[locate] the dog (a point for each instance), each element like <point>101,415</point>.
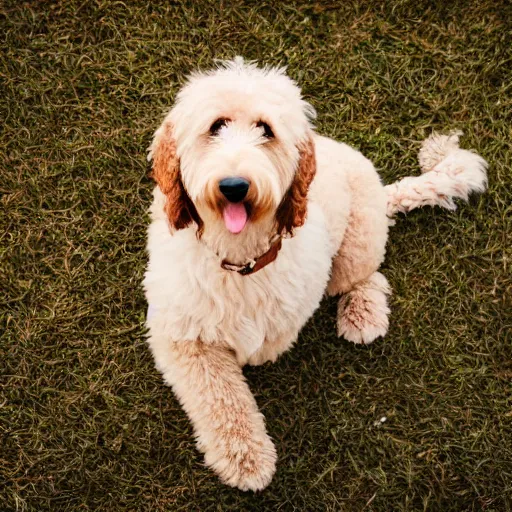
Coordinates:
<point>254,218</point>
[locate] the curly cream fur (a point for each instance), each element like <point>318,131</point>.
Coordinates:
<point>449,172</point>
<point>207,322</point>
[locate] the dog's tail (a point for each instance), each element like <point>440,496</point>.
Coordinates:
<point>449,172</point>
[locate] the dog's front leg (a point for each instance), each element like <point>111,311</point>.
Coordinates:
<point>229,428</point>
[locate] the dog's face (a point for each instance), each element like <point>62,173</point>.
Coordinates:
<point>235,157</point>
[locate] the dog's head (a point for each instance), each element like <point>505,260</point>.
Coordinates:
<point>235,157</point>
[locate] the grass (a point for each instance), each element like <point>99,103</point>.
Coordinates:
<point>86,422</point>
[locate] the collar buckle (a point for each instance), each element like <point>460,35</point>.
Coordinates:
<point>258,263</point>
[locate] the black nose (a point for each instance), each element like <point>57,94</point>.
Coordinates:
<point>234,189</point>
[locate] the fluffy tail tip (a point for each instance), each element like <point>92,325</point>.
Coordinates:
<point>436,148</point>
<point>448,173</point>
<point>443,154</point>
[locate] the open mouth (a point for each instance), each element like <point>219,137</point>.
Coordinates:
<point>235,216</point>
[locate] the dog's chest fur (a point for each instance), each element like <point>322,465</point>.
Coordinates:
<point>192,297</point>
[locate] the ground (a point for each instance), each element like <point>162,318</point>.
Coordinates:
<point>420,420</point>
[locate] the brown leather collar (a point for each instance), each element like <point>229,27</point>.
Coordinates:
<point>258,263</point>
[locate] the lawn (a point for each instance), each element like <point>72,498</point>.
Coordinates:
<point>86,421</point>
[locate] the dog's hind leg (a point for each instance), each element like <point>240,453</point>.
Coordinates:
<point>448,172</point>
<point>228,426</point>
<point>362,308</point>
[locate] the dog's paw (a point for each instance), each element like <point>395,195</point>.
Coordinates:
<point>363,313</point>
<point>249,466</point>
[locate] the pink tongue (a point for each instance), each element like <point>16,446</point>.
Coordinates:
<point>235,217</point>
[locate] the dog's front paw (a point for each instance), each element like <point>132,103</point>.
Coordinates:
<point>248,465</point>
<point>363,313</point>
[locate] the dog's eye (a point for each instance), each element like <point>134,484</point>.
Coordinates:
<point>217,125</point>
<point>267,131</point>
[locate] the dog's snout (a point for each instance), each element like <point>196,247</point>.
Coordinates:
<point>234,189</point>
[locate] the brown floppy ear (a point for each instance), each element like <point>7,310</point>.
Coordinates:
<point>292,211</point>
<point>179,208</point>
